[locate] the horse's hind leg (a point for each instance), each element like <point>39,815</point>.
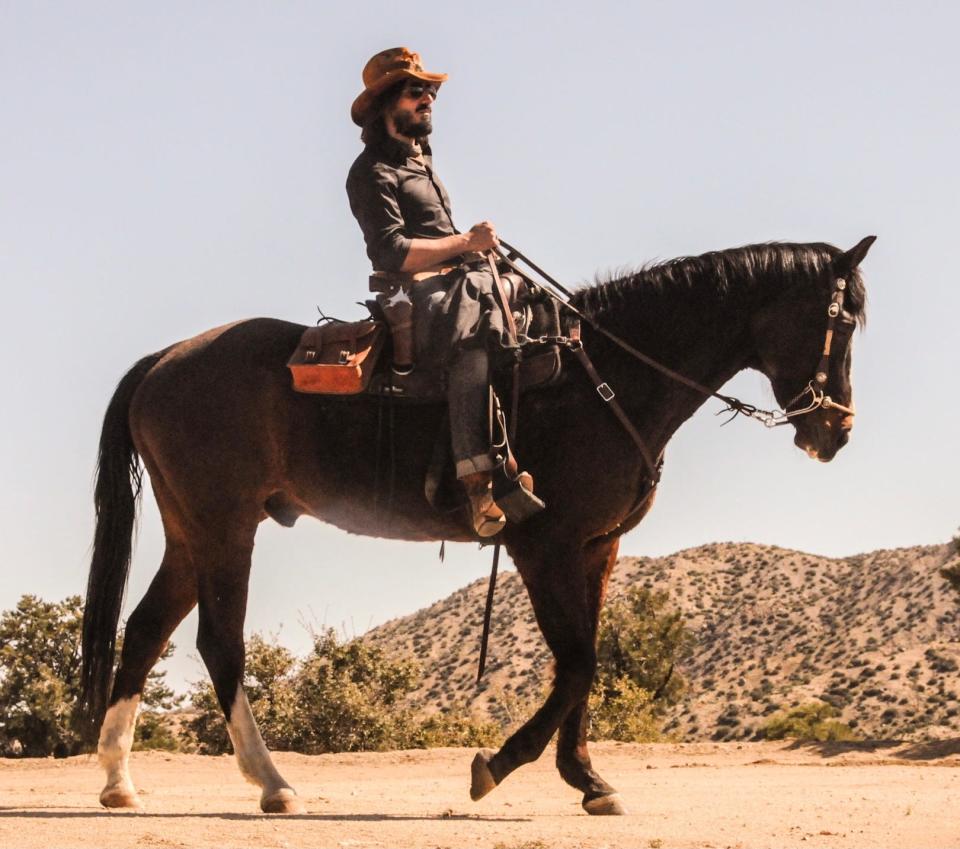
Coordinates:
<point>224,569</point>
<point>565,593</point>
<point>171,596</point>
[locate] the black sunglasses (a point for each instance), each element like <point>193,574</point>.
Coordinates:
<point>418,90</point>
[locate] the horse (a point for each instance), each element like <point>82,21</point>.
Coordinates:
<point>227,444</point>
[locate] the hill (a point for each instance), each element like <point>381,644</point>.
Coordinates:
<point>877,635</point>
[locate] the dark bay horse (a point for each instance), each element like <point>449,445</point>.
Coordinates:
<point>228,444</point>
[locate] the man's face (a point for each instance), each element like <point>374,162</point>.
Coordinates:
<point>412,112</point>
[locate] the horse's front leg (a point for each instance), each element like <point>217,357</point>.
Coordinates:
<point>573,758</point>
<point>565,592</point>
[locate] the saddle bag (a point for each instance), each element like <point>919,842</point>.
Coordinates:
<point>337,358</point>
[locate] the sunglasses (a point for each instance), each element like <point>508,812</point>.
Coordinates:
<point>416,91</point>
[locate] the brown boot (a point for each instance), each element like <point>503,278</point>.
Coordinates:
<point>486,518</point>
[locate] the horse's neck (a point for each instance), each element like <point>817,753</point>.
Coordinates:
<point>697,332</point>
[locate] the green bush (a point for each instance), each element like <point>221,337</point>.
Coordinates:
<point>342,697</point>
<point>641,639</point>
<point>40,682</point>
<point>455,727</point>
<point>640,644</point>
<point>624,712</point>
<point>811,721</point>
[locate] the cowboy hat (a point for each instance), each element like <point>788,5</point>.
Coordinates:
<point>382,71</point>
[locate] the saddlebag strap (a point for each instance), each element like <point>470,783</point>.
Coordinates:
<point>610,398</point>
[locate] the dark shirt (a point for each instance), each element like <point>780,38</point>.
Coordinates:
<point>396,197</point>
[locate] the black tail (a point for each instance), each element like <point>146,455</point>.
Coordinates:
<point>115,498</point>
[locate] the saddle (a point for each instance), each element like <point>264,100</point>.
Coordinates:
<point>355,358</point>
<point>348,358</point>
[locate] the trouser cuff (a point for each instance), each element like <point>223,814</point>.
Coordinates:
<point>477,463</point>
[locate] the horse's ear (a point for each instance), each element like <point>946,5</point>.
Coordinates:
<point>849,260</point>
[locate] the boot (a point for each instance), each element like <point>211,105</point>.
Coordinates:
<point>486,518</point>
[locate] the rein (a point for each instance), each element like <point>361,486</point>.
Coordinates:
<point>770,418</point>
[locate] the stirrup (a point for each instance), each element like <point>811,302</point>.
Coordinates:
<point>516,500</point>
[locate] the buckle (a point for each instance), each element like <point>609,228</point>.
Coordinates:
<point>606,392</point>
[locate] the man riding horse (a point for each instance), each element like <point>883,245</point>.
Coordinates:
<point>435,287</point>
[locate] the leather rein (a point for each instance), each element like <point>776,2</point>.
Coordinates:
<point>816,387</point>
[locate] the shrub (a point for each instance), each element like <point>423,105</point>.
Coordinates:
<point>624,711</point>
<point>40,681</point>
<point>639,646</point>
<point>342,697</point>
<point>640,639</point>
<point>811,721</point>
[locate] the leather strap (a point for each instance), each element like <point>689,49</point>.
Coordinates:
<point>609,397</point>
<point>502,296</point>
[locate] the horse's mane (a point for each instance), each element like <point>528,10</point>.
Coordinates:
<point>788,262</point>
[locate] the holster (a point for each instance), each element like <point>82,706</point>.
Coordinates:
<point>393,297</point>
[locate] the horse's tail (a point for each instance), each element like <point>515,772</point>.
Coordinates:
<point>116,496</point>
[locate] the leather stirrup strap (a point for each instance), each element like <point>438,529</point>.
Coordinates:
<point>488,609</point>
<point>610,398</point>
<point>502,297</point>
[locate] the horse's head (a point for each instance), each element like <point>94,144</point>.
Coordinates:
<point>806,351</point>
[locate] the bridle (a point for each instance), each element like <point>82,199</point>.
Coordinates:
<point>815,388</point>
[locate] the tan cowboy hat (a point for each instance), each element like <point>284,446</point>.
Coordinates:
<point>382,71</point>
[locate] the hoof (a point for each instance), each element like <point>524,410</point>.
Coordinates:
<point>120,797</point>
<point>282,801</point>
<point>610,805</point>
<point>481,779</point>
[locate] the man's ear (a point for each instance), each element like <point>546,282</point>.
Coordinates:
<point>849,260</point>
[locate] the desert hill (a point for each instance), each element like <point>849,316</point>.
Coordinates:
<point>877,635</point>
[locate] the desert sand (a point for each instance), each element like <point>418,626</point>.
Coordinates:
<point>678,795</point>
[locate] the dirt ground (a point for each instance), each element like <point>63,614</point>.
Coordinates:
<point>677,795</point>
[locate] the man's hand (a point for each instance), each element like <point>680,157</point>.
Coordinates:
<point>482,237</point>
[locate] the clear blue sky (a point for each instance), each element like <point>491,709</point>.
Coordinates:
<point>169,167</point>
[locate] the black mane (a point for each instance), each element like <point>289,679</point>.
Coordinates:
<point>717,270</point>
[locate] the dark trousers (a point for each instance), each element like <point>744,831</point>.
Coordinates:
<point>456,322</point>
<point>468,397</point>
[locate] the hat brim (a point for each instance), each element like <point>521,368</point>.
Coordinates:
<point>361,106</point>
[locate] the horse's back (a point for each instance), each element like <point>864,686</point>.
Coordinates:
<point>217,397</point>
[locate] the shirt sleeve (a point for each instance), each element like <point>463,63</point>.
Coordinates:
<point>373,200</point>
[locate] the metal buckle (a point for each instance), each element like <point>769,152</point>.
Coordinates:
<point>606,392</point>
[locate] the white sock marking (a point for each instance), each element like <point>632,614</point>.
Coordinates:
<point>116,740</point>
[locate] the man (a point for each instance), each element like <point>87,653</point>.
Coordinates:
<point>426,266</point>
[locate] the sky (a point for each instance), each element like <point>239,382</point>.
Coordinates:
<point>166,168</point>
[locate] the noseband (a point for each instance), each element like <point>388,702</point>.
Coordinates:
<point>816,388</point>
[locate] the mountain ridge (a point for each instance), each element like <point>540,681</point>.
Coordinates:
<point>876,634</point>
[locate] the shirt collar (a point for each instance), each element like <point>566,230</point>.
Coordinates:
<point>396,151</point>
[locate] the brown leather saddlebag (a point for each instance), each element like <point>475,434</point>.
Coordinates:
<point>337,358</point>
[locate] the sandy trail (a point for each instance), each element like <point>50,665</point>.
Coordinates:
<point>678,795</point>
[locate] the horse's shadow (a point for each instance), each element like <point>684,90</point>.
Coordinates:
<point>27,813</point>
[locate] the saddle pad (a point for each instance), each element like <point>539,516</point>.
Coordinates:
<point>337,358</point>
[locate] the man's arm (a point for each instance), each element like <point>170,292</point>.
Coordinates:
<point>428,253</point>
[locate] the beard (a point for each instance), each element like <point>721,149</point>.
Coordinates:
<point>414,125</point>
